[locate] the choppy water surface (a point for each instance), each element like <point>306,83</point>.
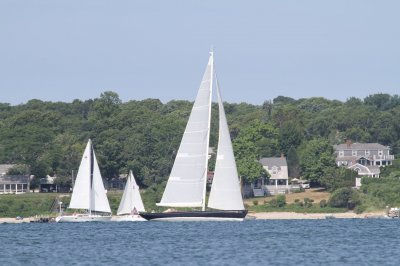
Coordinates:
<point>273,242</point>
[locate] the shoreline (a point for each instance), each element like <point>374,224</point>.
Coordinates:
<point>264,216</point>
<point>308,216</point>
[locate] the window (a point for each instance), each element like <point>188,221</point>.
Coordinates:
<point>354,153</point>
<point>281,182</point>
<point>380,153</point>
<point>367,153</point>
<point>341,153</point>
<point>274,170</point>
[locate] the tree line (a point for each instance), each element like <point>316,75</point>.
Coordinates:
<point>49,137</point>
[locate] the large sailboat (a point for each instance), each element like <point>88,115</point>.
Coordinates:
<point>88,193</point>
<point>186,186</point>
<point>131,203</point>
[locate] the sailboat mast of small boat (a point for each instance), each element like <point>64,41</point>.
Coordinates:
<point>91,178</point>
<point>209,128</point>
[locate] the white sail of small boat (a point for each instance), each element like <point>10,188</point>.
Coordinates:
<point>131,203</point>
<point>88,193</point>
<point>186,186</point>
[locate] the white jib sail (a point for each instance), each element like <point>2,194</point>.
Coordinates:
<point>81,192</point>
<point>225,190</point>
<point>185,187</point>
<point>131,198</point>
<point>99,200</point>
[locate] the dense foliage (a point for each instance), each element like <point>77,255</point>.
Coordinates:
<point>144,136</point>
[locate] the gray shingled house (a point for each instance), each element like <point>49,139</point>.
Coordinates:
<point>365,158</point>
<point>12,184</point>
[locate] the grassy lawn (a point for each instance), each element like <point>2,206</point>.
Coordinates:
<point>31,204</point>
<point>295,208</point>
<point>315,194</point>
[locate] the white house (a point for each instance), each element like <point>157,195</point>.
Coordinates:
<point>279,178</point>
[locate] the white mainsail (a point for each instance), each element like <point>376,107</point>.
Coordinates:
<point>187,181</point>
<point>89,192</point>
<point>131,198</point>
<point>80,198</point>
<point>225,190</point>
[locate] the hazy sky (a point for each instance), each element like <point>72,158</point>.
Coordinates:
<point>65,50</point>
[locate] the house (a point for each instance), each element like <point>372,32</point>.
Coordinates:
<point>12,184</point>
<point>279,179</point>
<point>365,158</point>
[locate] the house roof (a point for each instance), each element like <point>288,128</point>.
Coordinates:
<point>360,146</point>
<point>4,168</point>
<point>371,168</point>
<point>14,179</point>
<point>273,161</point>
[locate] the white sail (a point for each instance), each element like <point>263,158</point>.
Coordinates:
<point>225,190</point>
<point>186,183</point>
<point>99,201</point>
<point>89,192</point>
<point>81,191</point>
<point>131,198</point>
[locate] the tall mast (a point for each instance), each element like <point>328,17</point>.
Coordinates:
<point>208,134</point>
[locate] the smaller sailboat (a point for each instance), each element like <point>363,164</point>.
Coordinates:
<point>131,203</point>
<point>88,193</point>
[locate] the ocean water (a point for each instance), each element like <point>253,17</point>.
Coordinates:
<point>267,242</point>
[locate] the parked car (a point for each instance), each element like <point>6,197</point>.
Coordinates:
<point>305,184</point>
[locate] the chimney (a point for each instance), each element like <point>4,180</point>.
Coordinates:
<point>282,155</point>
<point>348,143</point>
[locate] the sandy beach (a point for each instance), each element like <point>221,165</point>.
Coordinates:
<point>15,221</point>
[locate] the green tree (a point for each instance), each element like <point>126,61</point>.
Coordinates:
<point>316,157</point>
<point>338,177</point>
<point>293,163</point>
<point>251,170</point>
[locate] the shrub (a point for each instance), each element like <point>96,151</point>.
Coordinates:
<point>323,204</point>
<point>273,203</point>
<point>255,202</point>
<point>359,209</point>
<point>308,202</point>
<point>344,198</point>
<point>281,200</point>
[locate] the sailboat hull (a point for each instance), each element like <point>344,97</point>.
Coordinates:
<point>82,218</point>
<point>128,218</point>
<point>196,216</point>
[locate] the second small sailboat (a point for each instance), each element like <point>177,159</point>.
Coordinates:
<point>131,203</point>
